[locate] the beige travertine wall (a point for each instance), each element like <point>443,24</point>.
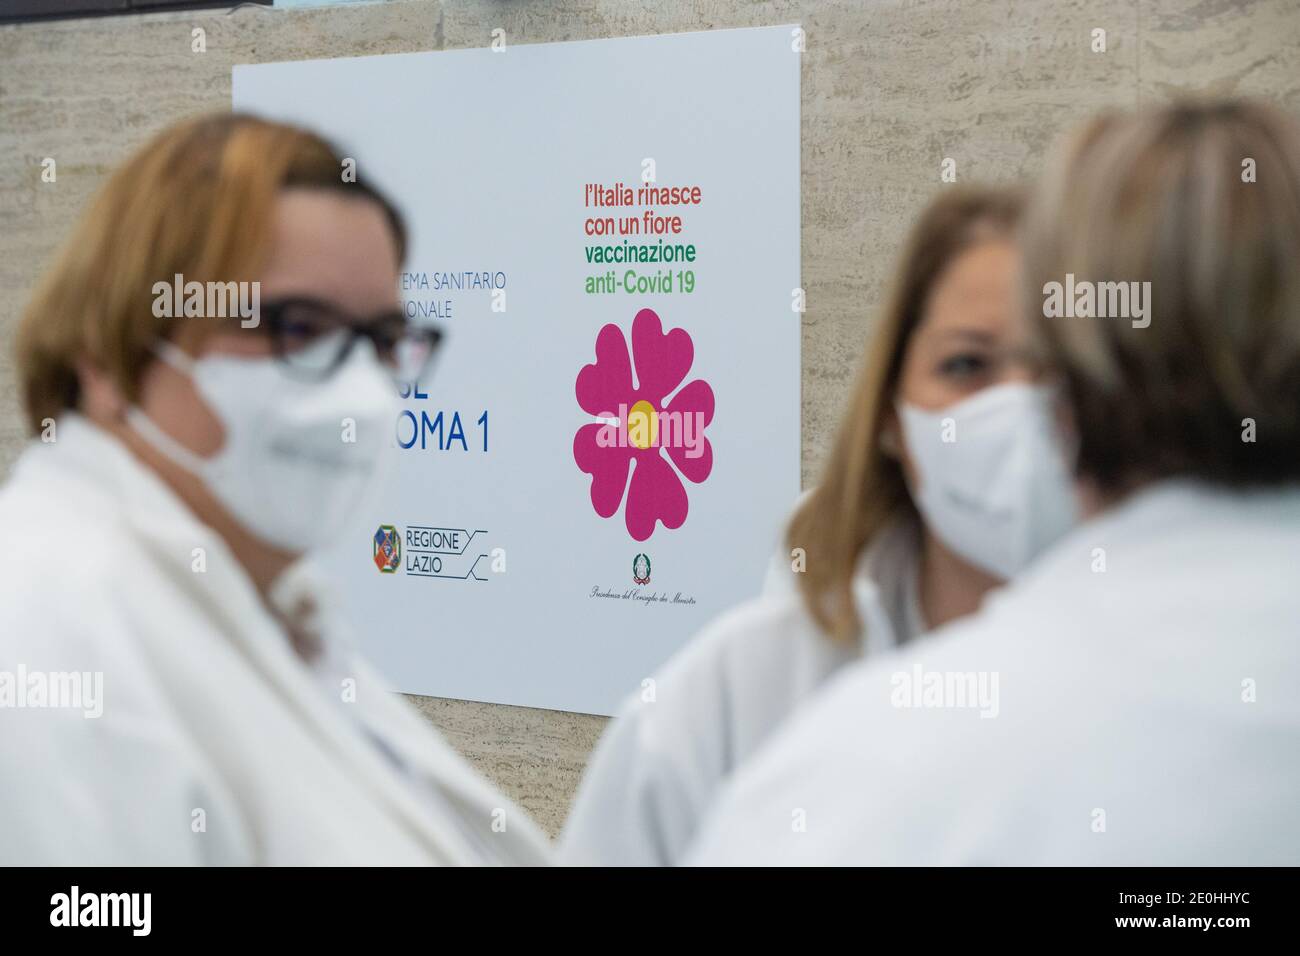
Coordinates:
<point>890,88</point>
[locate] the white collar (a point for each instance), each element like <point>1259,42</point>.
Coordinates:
<point>1160,512</point>
<point>887,577</point>
<point>87,469</point>
<point>101,470</point>
<point>108,480</point>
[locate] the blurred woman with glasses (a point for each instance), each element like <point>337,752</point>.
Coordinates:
<point>181,467</point>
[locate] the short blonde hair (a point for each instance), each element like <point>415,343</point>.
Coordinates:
<point>1202,200</point>
<point>197,200</point>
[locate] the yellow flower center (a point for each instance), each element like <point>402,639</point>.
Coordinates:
<point>642,425</point>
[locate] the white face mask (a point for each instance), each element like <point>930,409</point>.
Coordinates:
<point>994,485</point>
<point>286,472</point>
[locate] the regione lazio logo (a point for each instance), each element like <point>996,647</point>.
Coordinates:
<point>653,428</point>
<point>641,569</point>
<point>388,549</point>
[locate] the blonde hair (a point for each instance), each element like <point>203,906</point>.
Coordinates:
<point>1165,196</point>
<point>862,488</point>
<point>197,200</point>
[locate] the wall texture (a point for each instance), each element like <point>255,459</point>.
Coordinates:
<point>890,88</point>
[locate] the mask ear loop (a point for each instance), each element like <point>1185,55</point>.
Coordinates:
<point>148,429</point>
<point>175,356</point>
<point>164,444</point>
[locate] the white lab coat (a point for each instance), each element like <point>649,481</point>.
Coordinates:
<point>1146,713</point>
<point>662,761</point>
<point>217,744</point>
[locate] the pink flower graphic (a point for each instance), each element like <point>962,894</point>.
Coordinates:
<point>638,426</point>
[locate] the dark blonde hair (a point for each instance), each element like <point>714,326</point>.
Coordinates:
<point>862,488</point>
<point>1165,196</point>
<point>198,201</point>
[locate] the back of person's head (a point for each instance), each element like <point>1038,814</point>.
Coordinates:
<point>1162,250</point>
<point>198,201</point>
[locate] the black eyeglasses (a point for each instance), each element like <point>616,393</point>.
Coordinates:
<point>313,338</point>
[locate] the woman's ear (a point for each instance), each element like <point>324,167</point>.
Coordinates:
<point>890,446</point>
<point>101,399</point>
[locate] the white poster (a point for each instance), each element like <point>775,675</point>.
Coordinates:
<point>601,460</point>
